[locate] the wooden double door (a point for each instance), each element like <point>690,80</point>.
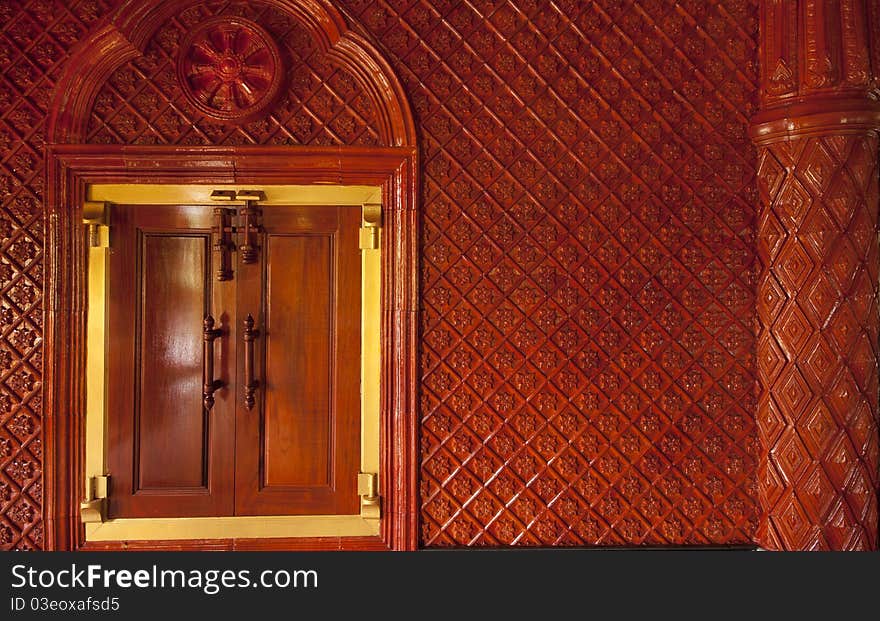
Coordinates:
<point>257,412</point>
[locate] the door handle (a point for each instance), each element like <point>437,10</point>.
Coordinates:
<point>209,384</point>
<point>249,334</point>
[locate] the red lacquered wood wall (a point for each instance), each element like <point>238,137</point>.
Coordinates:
<point>586,251</point>
<point>588,275</point>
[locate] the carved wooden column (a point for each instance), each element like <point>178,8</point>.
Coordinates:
<point>818,318</point>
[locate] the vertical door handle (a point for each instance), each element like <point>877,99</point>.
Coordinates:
<point>249,334</point>
<point>209,384</point>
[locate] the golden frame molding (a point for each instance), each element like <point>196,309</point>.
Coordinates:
<point>98,206</point>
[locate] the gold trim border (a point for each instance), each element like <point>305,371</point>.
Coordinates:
<point>259,527</point>
<point>192,194</point>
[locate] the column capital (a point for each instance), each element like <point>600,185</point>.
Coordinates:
<point>818,48</point>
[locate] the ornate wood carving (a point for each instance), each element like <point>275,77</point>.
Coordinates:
<point>587,252</point>
<point>818,320</point>
<point>810,47</point>
<point>540,125</point>
<point>125,38</point>
<point>230,68</point>
<point>817,346</point>
<point>311,24</point>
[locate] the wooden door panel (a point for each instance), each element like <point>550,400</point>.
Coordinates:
<point>168,456</point>
<point>170,439</point>
<point>298,450</point>
<point>298,333</point>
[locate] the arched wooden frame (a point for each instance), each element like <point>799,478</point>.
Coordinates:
<point>125,35</point>
<point>71,167</point>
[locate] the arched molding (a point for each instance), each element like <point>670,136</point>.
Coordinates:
<point>127,32</point>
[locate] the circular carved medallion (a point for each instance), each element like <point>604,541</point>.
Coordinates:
<point>229,68</point>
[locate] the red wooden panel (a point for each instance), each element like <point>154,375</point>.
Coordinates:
<point>300,305</point>
<point>817,318</point>
<point>171,424</point>
<point>817,353</point>
<point>167,456</point>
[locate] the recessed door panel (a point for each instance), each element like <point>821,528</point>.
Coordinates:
<point>299,338</point>
<point>168,455</point>
<point>282,436</point>
<point>170,431</point>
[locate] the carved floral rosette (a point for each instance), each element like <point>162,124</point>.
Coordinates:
<point>230,69</point>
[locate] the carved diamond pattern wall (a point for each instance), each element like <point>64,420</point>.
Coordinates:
<point>35,38</point>
<point>587,351</point>
<point>587,264</point>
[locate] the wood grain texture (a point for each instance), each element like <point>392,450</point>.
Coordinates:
<point>296,446</point>
<point>299,309</point>
<point>171,427</point>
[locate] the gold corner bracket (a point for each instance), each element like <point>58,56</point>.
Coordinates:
<point>368,490</point>
<point>94,508</point>
<point>371,223</point>
<point>371,304</point>
<point>96,216</point>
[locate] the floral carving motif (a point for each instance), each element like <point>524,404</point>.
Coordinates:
<point>230,68</point>
<point>318,104</point>
<point>560,209</point>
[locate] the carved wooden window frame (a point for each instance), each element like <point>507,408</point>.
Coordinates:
<point>72,168</point>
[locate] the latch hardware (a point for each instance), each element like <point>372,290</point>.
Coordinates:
<point>368,490</point>
<point>223,229</point>
<point>250,213</point>
<point>223,244</point>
